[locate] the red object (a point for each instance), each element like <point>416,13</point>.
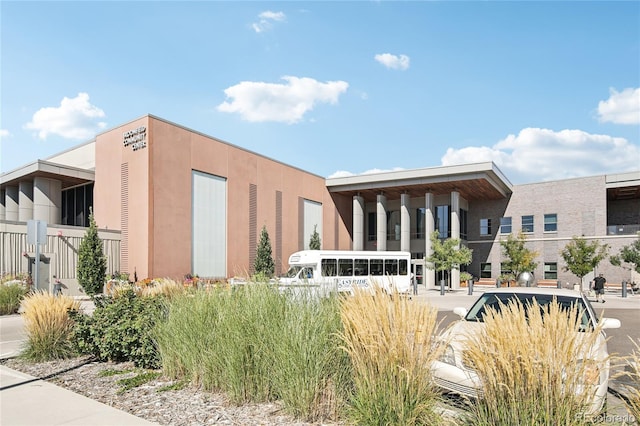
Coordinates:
<point>59,233</point>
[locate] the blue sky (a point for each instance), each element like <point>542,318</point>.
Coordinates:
<point>546,90</point>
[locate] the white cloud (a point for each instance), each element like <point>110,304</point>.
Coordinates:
<point>259,102</point>
<point>393,61</point>
<point>4,134</point>
<point>542,154</point>
<point>267,18</point>
<point>621,107</point>
<point>75,118</point>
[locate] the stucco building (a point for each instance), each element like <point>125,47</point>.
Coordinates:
<point>170,201</point>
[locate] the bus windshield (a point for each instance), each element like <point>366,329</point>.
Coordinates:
<point>293,271</point>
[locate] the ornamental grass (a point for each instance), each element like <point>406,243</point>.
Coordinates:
<point>48,326</point>
<point>528,360</point>
<point>630,380</point>
<point>11,295</point>
<point>391,345</point>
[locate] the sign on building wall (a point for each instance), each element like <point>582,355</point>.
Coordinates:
<point>136,138</point>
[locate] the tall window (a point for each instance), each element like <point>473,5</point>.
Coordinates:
<point>550,271</point>
<point>463,224</point>
<point>393,225</point>
<point>550,222</point>
<point>485,270</point>
<point>485,227</point>
<point>527,223</point>
<point>442,221</point>
<point>371,226</point>
<point>505,225</point>
<point>420,223</point>
<point>76,203</point>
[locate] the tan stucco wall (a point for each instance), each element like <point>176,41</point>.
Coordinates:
<point>111,154</point>
<point>159,234</point>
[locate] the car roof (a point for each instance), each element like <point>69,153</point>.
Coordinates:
<point>537,290</point>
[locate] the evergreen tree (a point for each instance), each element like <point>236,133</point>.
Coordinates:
<point>314,242</point>
<point>582,257</point>
<point>448,254</point>
<point>264,264</point>
<point>92,263</point>
<point>519,257</point>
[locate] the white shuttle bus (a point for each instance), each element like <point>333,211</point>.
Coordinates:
<point>340,270</point>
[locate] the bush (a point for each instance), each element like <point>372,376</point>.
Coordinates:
<point>120,329</point>
<point>11,295</point>
<point>49,326</point>
<point>631,380</point>
<point>391,344</point>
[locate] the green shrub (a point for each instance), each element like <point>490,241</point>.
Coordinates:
<point>120,329</point>
<point>49,326</point>
<point>11,296</point>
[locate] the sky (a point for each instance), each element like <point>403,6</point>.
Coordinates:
<point>546,90</point>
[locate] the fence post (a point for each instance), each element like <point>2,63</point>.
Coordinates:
<point>470,287</point>
<point>497,282</point>
<point>559,284</point>
<point>624,289</point>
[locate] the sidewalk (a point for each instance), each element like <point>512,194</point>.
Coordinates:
<point>25,400</point>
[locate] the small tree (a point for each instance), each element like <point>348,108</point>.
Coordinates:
<point>314,242</point>
<point>582,257</point>
<point>628,254</point>
<point>92,263</point>
<point>264,264</point>
<point>448,254</point>
<point>519,257</point>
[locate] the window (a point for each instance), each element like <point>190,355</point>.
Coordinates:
<point>372,226</point>
<point>550,271</point>
<point>420,228</point>
<point>505,269</point>
<point>329,267</point>
<point>527,223</point>
<point>376,267</point>
<point>76,203</point>
<point>463,224</point>
<point>505,225</point>
<point>485,270</point>
<point>551,222</point>
<point>485,227</point>
<point>391,266</point>
<point>442,222</point>
<point>345,267</point>
<point>393,225</point>
<point>361,267</point>
<point>403,267</point>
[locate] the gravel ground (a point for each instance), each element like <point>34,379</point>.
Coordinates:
<point>176,407</point>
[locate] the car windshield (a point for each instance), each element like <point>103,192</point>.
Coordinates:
<point>497,300</point>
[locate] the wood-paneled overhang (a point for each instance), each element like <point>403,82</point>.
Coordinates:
<point>479,181</point>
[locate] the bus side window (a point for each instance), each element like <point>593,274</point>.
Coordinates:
<point>329,267</point>
<point>391,266</point>
<point>404,267</point>
<point>345,267</point>
<point>376,267</point>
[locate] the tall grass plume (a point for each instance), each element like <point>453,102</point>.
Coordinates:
<point>390,342</point>
<point>529,360</point>
<point>48,326</point>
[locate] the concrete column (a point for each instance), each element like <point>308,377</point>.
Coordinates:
<point>47,200</point>
<point>381,222</point>
<point>405,223</point>
<point>25,200</point>
<point>455,233</point>
<point>429,226</point>
<point>358,222</point>
<point>2,208</point>
<point>11,203</point>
